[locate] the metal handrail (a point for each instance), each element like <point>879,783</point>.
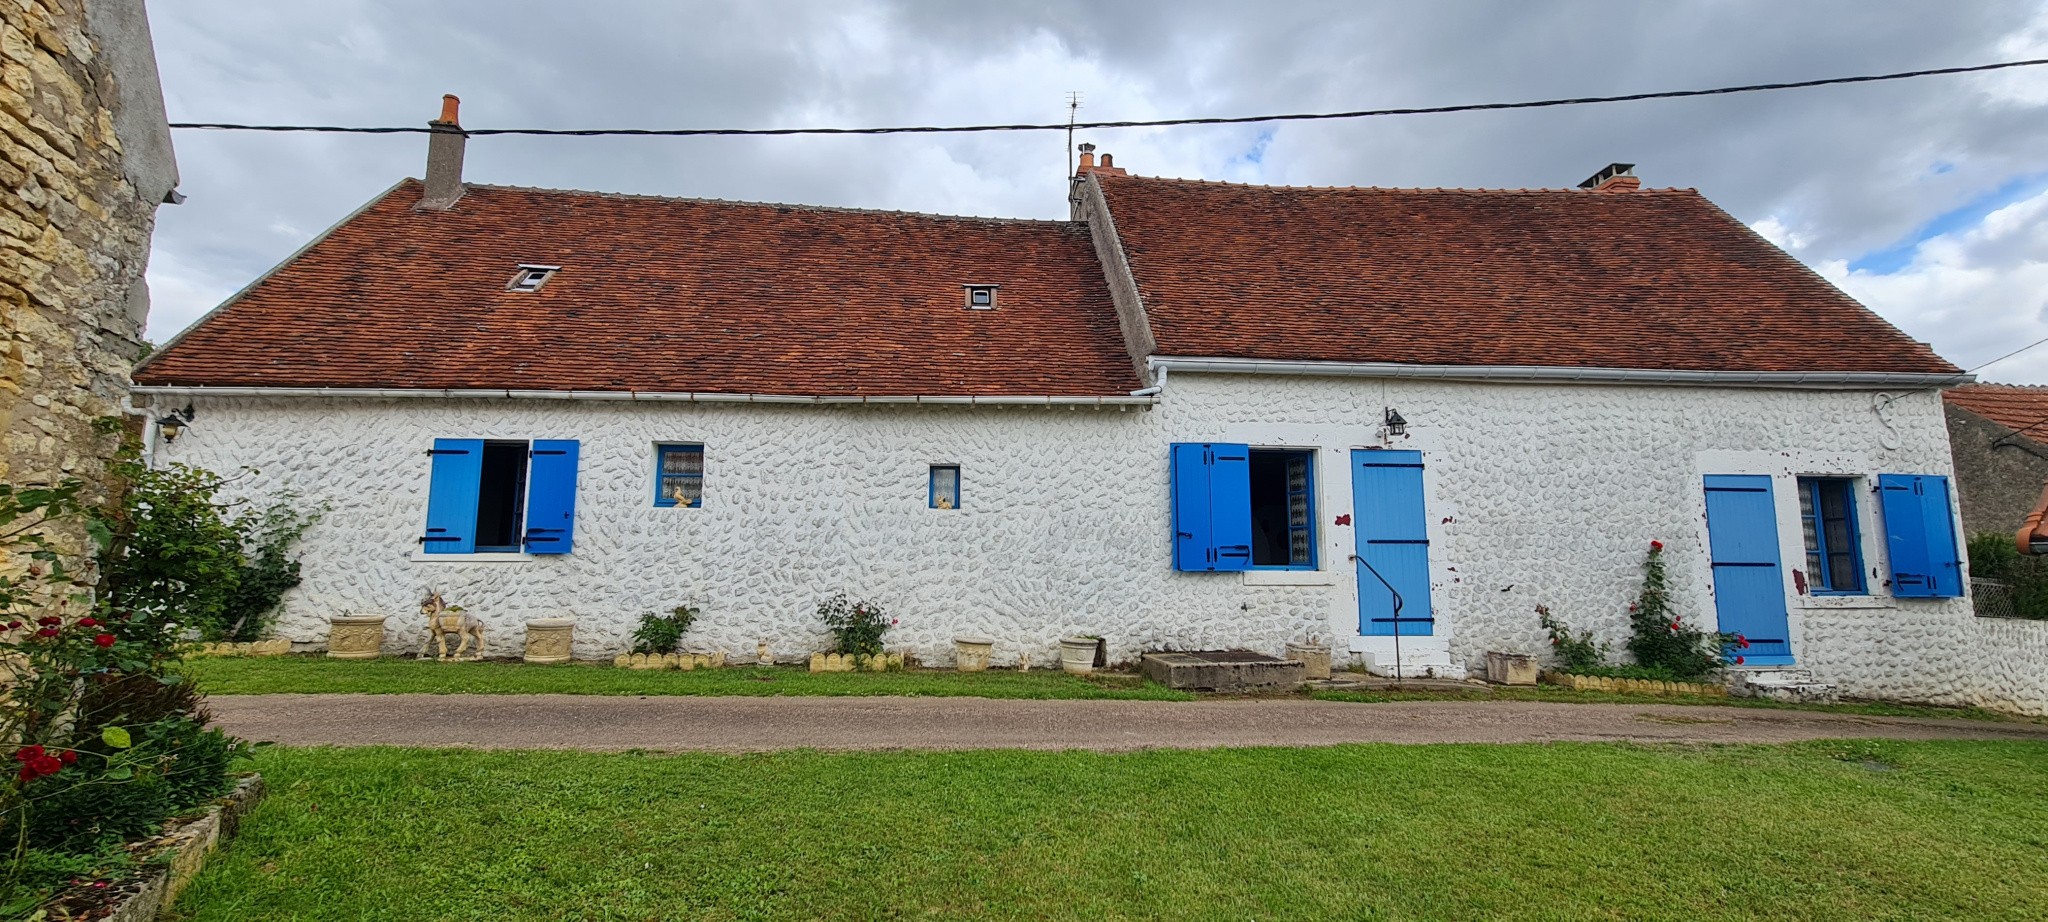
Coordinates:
<point>1399,678</point>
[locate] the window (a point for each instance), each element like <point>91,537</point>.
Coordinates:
<point>501,496</point>
<point>1235,508</point>
<point>531,277</point>
<point>981,297</point>
<point>1283,520</point>
<point>679,475</point>
<point>945,487</point>
<point>1834,549</point>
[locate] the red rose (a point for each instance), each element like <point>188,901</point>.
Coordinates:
<point>1742,642</point>
<point>26,775</point>
<point>47,765</point>
<point>88,622</point>
<point>49,621</point>
<point>27,753</point>
<point>68,757</point>
<point>13,625</point>
<point>1656,545</point>
<point>47,632</point>
<point>104,640</point>
<point>1738,661</point>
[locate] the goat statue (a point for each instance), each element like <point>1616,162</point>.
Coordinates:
<point>444,619</point>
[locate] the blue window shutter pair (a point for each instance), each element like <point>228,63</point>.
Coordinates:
<point>1920,533</point>
<point>457,480</point>
<point>1212,506</point>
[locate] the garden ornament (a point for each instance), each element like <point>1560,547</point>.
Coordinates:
<point>444,619</point>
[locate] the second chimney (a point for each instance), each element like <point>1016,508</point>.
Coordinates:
<point>1616,177</point>
<point>444,158</point>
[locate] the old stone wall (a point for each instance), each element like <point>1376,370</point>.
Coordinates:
<point>84,160</point>
<point>1999,476</point>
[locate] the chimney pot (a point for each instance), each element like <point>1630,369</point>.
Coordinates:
<point>1615,177</point>
<point>444,158</point>
<point>1108,163</point>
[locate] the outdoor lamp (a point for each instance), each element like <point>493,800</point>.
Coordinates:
<point>1395,424</point>
<point>174,422</point>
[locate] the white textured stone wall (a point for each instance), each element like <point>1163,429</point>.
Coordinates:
<point>1545,495</point>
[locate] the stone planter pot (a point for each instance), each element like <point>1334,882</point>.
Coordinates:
<point>1315,657</point>
<point>971,654</point>
<point>1077,654</point>
<point>355,636</point>
<point>548,640</point>
<point>1510,668</point>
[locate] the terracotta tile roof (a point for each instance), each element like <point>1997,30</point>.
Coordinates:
<point>668,295</point>
<point>2014,406</point>
<point>1657,279</point>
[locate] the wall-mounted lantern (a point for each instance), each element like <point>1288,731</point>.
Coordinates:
<point>1395,424</point>
<point>174,422</point>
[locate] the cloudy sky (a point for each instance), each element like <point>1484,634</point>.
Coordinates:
<point>1926,199</point>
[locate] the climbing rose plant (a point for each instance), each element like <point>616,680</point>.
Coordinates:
<point>1660,638</point>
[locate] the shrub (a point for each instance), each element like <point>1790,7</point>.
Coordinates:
<point>857,626</point>
<point>175,548</point>
<point>1996,556</point>
<point>1660,639</point>
<point>663,634</point>
<point>103,740</point>
<point>1578,652</point>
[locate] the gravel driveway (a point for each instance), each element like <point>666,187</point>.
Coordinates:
<point>714,724</point>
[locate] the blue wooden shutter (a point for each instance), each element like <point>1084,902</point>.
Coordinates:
<point>458,468</point>
<point>1392,540</point>
<point>551,497</point>
<point>1230,505</point>
<point>1919,532</point>
<point>1742,550</point>
<point>1943,561</point>
<point>1212,507</point>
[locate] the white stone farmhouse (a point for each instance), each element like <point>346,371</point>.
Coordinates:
<point>1197,415</point>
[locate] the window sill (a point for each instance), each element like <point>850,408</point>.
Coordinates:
<point>489,557</point>
<point>1823,602</point>
<point>1290,578</point>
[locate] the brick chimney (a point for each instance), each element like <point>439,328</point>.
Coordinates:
<point>444,158</point>
<point>1088,165</point>
<point>1615,177</point>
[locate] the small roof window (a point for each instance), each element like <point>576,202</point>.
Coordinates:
<point>981,297</point>
<point>531,277</point>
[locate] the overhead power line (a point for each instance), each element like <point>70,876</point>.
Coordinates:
<point>1151,123</point>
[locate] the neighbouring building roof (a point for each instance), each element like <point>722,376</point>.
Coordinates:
<point>2014,406</point>
<point>1646,279</point>
<point>667,295</point>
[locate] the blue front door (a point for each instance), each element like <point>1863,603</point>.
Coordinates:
<point>1392,549</point>
<point>1749,590</point>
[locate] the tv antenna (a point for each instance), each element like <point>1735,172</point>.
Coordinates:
<point>1073,111</point>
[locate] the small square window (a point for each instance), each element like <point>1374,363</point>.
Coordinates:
<point>530,278</point>
<point>981,297</point>
<point>679,475</point>
<point>1834,548</point>
<point>945,487</point>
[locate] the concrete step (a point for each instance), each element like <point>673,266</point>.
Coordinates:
<point>1780,685</point>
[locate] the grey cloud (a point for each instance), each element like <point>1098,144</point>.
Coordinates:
<point>1848,169</point>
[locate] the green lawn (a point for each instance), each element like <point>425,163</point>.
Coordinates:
<point>271,675</point>
<point>1824,831</point>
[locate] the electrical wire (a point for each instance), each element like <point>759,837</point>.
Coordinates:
<point>1152,123</point>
